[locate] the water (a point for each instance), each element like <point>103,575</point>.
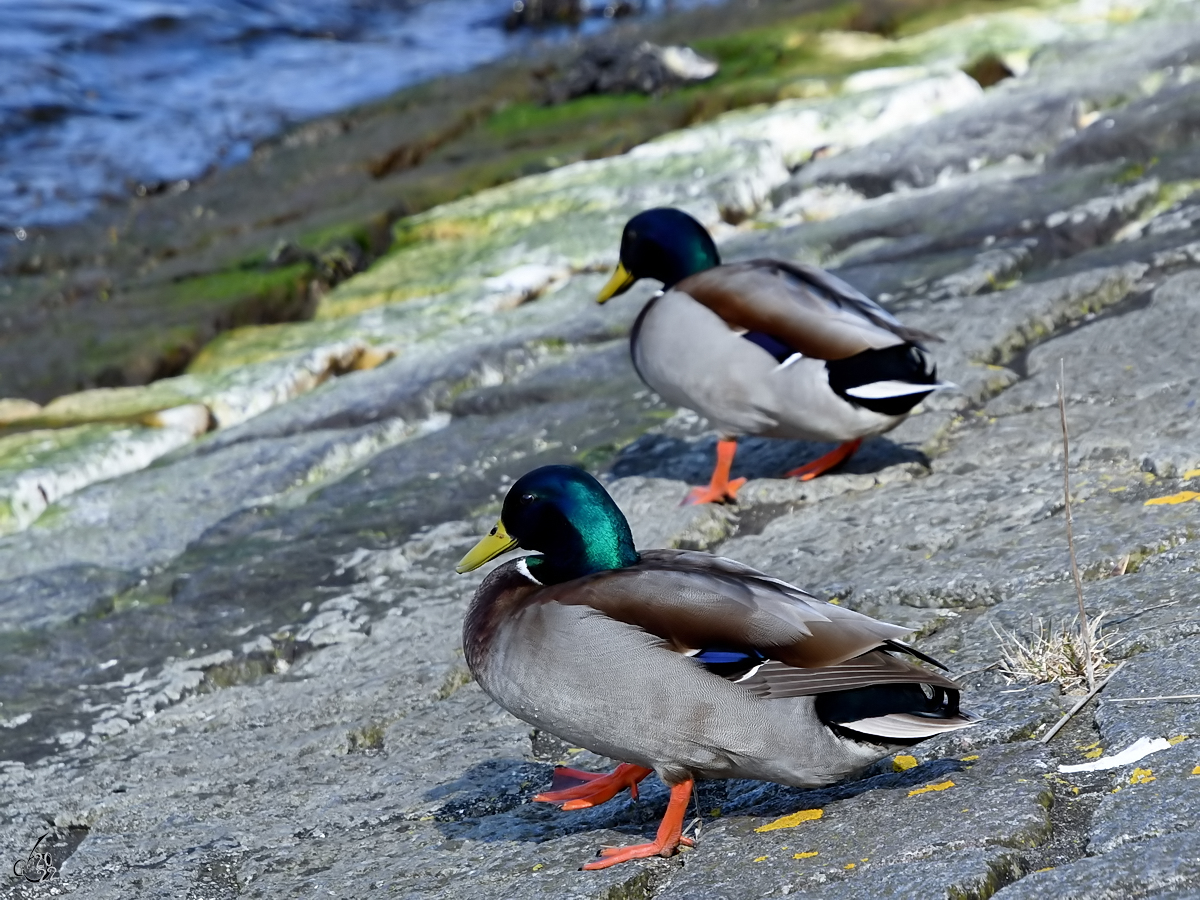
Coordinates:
<point>98,97</point>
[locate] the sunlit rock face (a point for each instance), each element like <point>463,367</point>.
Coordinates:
<point>229,628</point>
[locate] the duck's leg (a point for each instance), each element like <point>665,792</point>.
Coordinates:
<point>720,488</point>
<point>823,464</point>
<point>592,788</point>
<point>667,840</point>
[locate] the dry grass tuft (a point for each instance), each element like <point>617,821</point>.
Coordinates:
<point>1050,654</point>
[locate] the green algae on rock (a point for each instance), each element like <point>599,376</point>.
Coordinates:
<point>38,467</point>
<point>111,404</point>
<point>724,169</point>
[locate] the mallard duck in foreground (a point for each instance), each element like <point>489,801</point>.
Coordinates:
<point>765,347</point>
<point>678,662</point>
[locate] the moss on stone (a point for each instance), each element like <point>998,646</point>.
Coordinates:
<point>366,738</point>
<point>527,118</point>
<point>38,467</point>
<point>456,679</point>
<point>43,447</point>
<point>238,671</point>
<point>255,344</point>
<point>339,233</point>
<point>234,284</point>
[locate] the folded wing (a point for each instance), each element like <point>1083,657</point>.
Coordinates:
<point>693,601</point>
<point>814,313</point>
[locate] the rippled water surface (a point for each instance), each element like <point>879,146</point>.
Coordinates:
<point>98,97</point>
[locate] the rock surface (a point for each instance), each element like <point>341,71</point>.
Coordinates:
<point>613,68</point>
<point>235,672</point>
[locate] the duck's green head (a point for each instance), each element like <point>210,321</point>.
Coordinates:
<point>566,514</point>
<point>665,244</point>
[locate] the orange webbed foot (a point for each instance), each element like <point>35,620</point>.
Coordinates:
<point>610,856</point>
<point>577,789</point>
<point>823,464</point>
<point>711,494</point>
<point>720,489</point>
<point>666,842</point>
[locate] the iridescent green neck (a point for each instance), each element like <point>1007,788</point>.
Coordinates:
<point>591,536</point>
<point>702,253</point>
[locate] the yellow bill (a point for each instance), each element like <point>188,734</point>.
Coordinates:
<point>619,282</point>
<point>490,546</point>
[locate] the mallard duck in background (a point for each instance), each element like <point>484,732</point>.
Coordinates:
<point>765,347</point>
<point>680,662</point>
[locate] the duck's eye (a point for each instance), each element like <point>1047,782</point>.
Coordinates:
<point>493,531</point>
<point>526,499</point>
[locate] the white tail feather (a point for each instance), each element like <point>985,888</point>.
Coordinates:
<point>906,726</point>
<point>877,390</point>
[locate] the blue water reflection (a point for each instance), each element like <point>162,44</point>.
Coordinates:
<point>98,96</point>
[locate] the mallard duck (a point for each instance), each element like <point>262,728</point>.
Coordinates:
<point>679,662</point>
<point>765,347</point>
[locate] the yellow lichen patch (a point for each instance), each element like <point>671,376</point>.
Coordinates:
<point>1178,739</point>
<point>1181,497</point>
<point>1141,776</point>
<point>1045,869</point>
<point>1196,771</point>
<point>761,858</point>
<point>1191,473</point>
<point>1094,754</point>
<point>539,866</point>
<point>805,815</point>
<point>940,786</point>
<point>971,758</point>
<point>848,866</point>
<point>903,763</point>
<point>807,854</point>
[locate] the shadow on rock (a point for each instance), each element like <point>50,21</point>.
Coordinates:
<point>492,801</point>
<point>691,460</point>
<point>754,798</point>
<point>490,788</point>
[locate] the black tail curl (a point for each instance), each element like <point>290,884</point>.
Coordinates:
<point>903,362</point>
<point>925,700</point>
